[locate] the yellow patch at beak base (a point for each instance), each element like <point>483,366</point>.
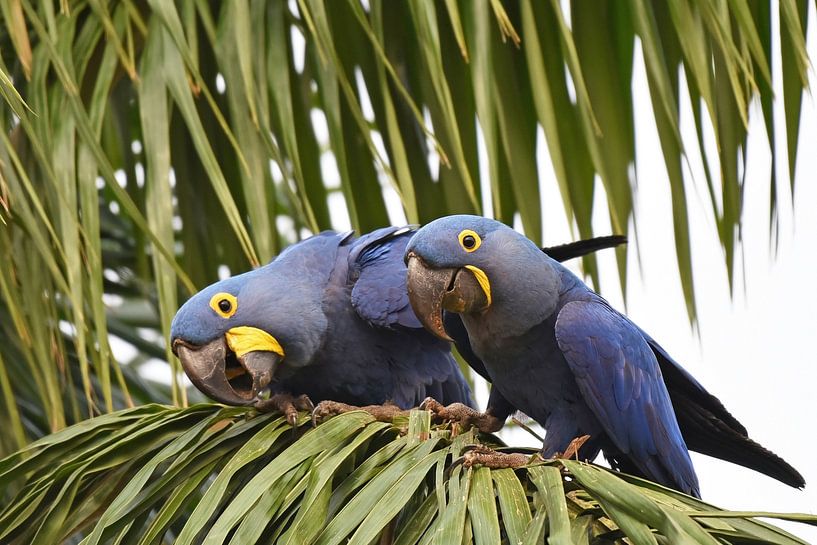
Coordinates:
<point>245,339</point>
<point>482,278</point>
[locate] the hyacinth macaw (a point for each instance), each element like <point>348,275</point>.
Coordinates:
<point>558,352</point>
<point>328,319</point>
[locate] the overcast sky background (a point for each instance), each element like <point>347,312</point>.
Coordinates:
<point>755,348</point>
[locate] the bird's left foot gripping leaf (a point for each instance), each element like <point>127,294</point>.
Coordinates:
<point>383,413</point>
<point>286,404</point>
<point>464,415</point>
<point>487,457</point>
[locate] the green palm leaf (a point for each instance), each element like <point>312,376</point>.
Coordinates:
<point>209,474</point>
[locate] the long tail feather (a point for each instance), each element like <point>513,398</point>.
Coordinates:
<point>705,433</point>
<point>571,250</point>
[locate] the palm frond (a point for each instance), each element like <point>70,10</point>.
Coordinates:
<point>208,474</point>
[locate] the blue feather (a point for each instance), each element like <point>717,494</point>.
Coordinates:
<point>338,306</point>
<point>379,294</point>
<point>620,379</point>
<point>555,350</point>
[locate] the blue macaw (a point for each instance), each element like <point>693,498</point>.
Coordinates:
<point>558,352</point>
<point>328,319</point>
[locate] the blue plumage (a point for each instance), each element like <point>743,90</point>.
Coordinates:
<point>605,352</point>
<point>379,294</point>
<point>329,318</point>
<point>557,351</point>
<point>338,307</point>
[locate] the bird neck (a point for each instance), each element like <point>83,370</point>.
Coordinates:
<point>525,289</point>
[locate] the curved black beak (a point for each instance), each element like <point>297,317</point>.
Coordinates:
<point>431,291</point>
<point>222,375</point>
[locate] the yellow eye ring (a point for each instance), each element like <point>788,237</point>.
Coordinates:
<point>224,304</point>
<point>469,240</point>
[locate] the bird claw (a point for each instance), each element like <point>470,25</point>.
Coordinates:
<point>327,409</point>
<point>286,404</point>
<point>383,413</point>
<point>487,457</point>
<point>464,415</point>
<point>572,450</point>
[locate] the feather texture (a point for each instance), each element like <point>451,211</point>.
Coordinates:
<point>557,351</point>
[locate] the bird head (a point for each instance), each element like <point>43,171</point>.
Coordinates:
<point>471,265</point>
<point>237,335</point>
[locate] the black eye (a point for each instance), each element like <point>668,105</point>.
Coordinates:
<point>225,305</point>
<point>468,241</point>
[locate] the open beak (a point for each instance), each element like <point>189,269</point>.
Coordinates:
<point>225,372</point>
<point>461,290</point>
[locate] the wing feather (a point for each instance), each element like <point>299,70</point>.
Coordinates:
<point>620,380</point>
<point>376,267</point>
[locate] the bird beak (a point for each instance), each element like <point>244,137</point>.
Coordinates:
<point>462,290</point>
<point>227,370</point>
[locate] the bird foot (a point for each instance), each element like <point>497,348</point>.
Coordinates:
<point>572,450</point>
<point>287,404</point>
<point>382,413</point>
<point>486,457</point>
<point>464,415</point>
